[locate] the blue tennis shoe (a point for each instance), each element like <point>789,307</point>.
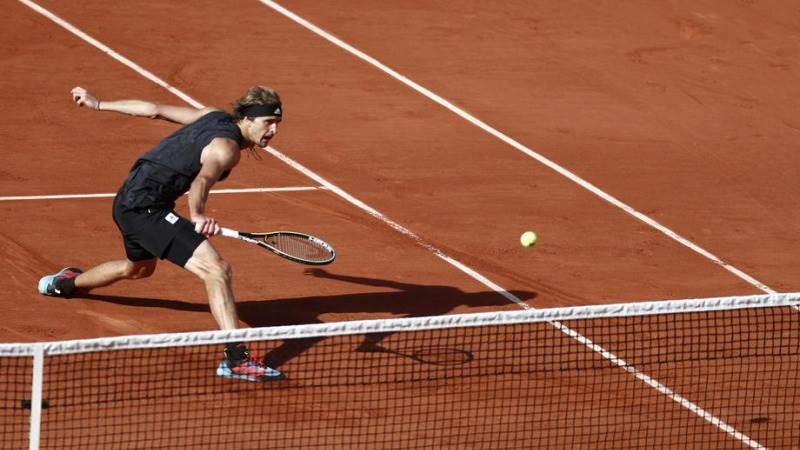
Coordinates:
<point>59,284</point>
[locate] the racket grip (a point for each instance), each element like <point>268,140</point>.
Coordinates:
<point>227,232</point>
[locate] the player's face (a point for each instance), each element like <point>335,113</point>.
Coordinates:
<point>264,129</point>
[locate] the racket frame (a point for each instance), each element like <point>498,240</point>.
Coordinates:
<point>259,239</point>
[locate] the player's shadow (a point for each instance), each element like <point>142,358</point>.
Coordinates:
<point>404,299</point>
<point>400,299</point>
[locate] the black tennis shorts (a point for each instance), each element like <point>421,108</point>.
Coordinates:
<point>156,233</point>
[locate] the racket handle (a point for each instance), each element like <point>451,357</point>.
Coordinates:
<point>227,232</point>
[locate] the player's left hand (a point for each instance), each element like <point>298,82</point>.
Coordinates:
<point>83,98</point>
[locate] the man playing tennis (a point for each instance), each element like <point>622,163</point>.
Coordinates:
<point>191,160</point>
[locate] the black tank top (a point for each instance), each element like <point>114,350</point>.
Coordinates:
<point>166,172</point>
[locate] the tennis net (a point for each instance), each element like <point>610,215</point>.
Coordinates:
<point>690,374</point>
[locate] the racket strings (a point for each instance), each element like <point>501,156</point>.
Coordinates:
<point>298,246</point>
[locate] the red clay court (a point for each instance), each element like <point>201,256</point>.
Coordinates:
<point>651,146</point>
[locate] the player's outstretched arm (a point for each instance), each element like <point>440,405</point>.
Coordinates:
<point>141,108</point>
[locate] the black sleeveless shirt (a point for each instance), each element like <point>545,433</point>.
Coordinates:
<point>166,172</point>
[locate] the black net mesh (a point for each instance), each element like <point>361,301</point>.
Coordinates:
<point>15,401</point>
<point>700,380</point>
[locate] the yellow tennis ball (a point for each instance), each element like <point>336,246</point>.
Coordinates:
<point>528,238</point>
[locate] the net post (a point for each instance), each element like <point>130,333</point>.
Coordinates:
<point>36,396</point>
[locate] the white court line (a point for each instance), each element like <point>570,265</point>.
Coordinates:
<point>107,50</point>
<point>522,148</point>
<point>364,207</point>
<point>109,195</point>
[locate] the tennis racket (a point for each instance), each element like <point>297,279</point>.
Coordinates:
<point>298,247</point>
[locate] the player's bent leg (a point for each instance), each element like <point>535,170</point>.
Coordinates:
<point>71,279</point>
<point>112,271</point>
<point>216,273</point>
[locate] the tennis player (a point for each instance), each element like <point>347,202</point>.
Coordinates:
<point>192,159</point>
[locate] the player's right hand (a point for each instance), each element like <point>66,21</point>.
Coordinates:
<point>83,98</point>
<point>206,226</point>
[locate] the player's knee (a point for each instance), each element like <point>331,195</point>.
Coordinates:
<point>218,270</point>
<point>207,264</point>
<point>137,271</point>
<point>144,272</point>
<point>226,271</point>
